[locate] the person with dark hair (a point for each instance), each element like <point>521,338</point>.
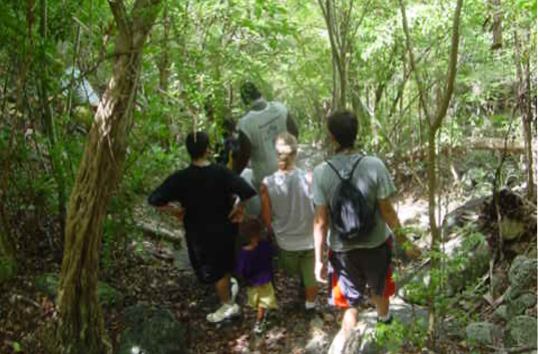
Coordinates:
<point>258,129</point>
<point>206,193</point>
<point>364,261</point>
<point>255,266</point>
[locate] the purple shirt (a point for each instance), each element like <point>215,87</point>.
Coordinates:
<point>256,265</point>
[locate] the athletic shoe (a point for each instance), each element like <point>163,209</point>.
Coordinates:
<point>259,327</point>
<point>226,311</point>
<point>234,289</point>
<point>386,322</point>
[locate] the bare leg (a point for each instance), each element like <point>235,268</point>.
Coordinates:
<point>222,288</point>
<point>261,313</point>
<point>349,321</point>
<point>310,293</point>
<point>381,304</point>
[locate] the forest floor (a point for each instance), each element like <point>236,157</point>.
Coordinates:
<point>159,275</point>
<point>143,278</point>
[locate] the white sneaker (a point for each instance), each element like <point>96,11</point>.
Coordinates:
<point>234,288</point>
<point>224,312</point>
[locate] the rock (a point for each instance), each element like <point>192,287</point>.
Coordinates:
<point>152,330</point>
<point>328,317</point>
<point>364,338</point>
<point>511,229</point>
<point>533,253</point>
<point>48,283</point>
<point>499,282</point>
<point>521,331</point>
<point>501,313</point>
<point>319,344</point>
<point>465,270</point>
<point>528,300</point>
<point>522,273</point>
<point>481,333</point>
<point>515,308</point>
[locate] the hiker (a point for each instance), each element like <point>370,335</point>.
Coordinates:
<point>366,259</point>
<point>288,213</point>
<point>255,267</point>
<point>205,192</point>
<point>229,143</point>
<point>258,129</point>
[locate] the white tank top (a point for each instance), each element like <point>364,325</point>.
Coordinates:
<point>292,209</point>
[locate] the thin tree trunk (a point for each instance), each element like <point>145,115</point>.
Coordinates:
<point>497,28</point>
<point>164,62</point>
<point>525,106</point>
<point>81,325</point>
<point>48,121</point>
<point>434,121</point>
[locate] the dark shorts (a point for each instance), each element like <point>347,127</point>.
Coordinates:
<point>212,255</point>
<point>350,273</point>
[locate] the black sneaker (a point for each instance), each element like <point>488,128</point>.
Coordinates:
<point>386,322</point>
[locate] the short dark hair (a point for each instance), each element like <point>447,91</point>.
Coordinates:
<point>250,227</point>
<point>343,127</point>
<point>249,92</point>
<point>196,147</point>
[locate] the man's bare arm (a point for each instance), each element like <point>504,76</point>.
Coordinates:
<point>321,226</point>
<point>390,216</point>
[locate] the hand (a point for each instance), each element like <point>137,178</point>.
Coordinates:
<point>320,272</point>
<point>237,214</point>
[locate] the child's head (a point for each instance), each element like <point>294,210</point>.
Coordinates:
<point>250,228</point>
<point>286,150</point>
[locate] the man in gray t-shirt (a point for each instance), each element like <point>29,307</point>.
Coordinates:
<point>365,262</point>
<point>258,129</point>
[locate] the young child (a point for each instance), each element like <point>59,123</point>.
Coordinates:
<point>255,267</point>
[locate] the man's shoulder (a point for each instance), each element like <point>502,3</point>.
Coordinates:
<point>373,162</point>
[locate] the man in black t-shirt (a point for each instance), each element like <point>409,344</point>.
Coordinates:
<point>206,193</point>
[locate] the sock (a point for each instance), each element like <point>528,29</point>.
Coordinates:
<point>385,318</point>
<point>309,305</point>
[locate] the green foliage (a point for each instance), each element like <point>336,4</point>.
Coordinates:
<point>397,335</point>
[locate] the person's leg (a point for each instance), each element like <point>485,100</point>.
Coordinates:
<point>307,261</point>
<point>222,289</point>
<point>349,321</point>
<point>261,314</point>
<point>382,305</point>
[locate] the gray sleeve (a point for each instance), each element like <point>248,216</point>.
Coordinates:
<point>320,199</point>
<point>243,126</point>
<point>385,185</point>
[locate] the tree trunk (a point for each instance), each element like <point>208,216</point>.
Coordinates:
<point>164,62</point>
<point>48,121</point>
<point>81,325</point>
<point>497,28</point>
<point>434,123</point>
<point>525,106</point>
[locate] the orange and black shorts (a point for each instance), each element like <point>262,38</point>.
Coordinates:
<point>352,273</point>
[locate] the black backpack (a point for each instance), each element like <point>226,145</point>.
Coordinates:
<point>351,215</point>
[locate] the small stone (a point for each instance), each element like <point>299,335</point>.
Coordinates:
<point>522,273</point>
<point>481,333</point>
<point>511,229</point>
<point>501,313</point>
<point>327,317</point>
<point>521,331</point>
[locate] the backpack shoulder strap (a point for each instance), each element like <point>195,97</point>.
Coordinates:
<point>334,169</point>
<point>354,166</point>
